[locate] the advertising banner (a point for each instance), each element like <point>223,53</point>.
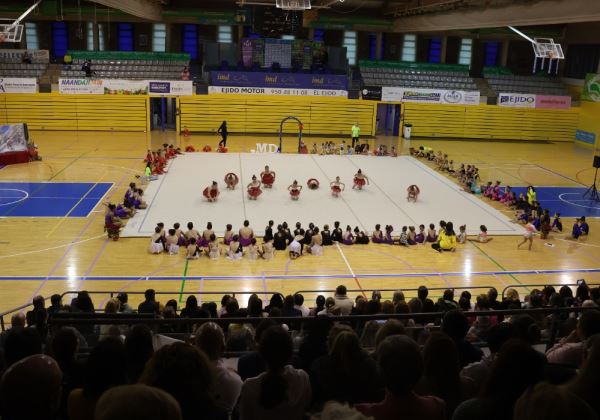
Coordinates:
<point>171,87</point>
<point>591,88</point>
<point>279,80</point>
<point>36,55</point>
<point>519,100</point>
<point>552,101</point>
<point>18,85</point>
<point>277,91</point>
<point>371,93</point>
<point>431,96</point>
<point>84,86</point>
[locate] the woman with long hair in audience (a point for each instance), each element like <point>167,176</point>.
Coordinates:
<point>281,392</point>
<point>346,374</point>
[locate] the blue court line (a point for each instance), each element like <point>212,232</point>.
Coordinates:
<point>311,276</point>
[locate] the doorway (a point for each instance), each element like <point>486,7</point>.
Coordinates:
<point>163,114</point>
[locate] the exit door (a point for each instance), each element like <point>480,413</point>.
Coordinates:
<point>163,114</point>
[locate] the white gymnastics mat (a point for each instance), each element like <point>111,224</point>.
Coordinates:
<point>177,195</point>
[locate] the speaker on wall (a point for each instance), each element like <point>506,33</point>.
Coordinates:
<point>597,161</point>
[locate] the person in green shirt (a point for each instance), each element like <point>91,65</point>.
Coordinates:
<point>148,173</point>
<point>355,134</point>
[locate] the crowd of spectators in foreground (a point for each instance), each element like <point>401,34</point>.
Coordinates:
<point>393,369</point>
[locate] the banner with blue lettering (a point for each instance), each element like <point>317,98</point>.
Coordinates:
<point>279,80</point>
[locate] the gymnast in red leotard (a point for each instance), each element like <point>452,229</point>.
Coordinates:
<point>294,190</point>
<point>360,180</point>
<point>412,193</point>
<point>254,188</point>
<point>337,187</point>
<point>267,177</point>
<point>231,180</point>
<point>211,192</point>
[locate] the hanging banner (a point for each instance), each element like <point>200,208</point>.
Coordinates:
<point>519,100</point>
<point>330,93</point>
<point>591,88</point>
<point>430,96</point>
<point>279,80</point>
<point>18,85</point>
<point>40,56</point>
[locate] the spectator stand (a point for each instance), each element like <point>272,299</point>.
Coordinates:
<point>128,65</point>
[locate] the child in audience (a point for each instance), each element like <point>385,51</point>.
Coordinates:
<point>192,250</point>
<point>213,248</point>
<point>576,231</point>
<point>431,233</point>
<point>377,235</point>
<point>461,238</point>
<point>156,242</point>
<point>191,232</point>
<point>252,250</point>
<point>228,235</point>
<point>172,242</point>
<point>557,223</point>
<point>585,228</point>
<point>181,241</point>
<point>234,252</point>
<point>412,236</point>
<point>138,201</point>
<point>403,241</point>
<point>483,235</point>
<point>420,237</point>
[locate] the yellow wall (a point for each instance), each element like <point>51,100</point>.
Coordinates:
<point>75,112</point>
<point>491,122</point>
<point>589,121</point>
<point>251,114</point>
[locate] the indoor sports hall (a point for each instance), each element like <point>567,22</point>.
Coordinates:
<point>491,110</point>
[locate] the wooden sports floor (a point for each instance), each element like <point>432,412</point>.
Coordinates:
<point>56,255</point>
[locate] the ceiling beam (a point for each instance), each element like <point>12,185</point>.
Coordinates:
<point>145,9</point>
<point>545,12</point>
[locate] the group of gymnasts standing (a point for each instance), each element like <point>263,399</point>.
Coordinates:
<point>267,178</point>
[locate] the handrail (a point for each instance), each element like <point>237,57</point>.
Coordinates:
<point>403,289</point>
<point>541,286</point>
<point>129,319</point>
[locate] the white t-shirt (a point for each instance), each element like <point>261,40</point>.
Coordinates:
<point>226,387</point>
<point>305,311</point>
<point>293,408</point>
<point>295,247</point>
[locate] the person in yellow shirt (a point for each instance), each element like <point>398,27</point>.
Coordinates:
<point>355,134</point>
<point>446,239</point>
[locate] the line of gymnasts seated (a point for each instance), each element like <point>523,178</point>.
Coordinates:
<point>297,241</point>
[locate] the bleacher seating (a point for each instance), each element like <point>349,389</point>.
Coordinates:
<point>15,68</point>
<point>526,84</point>
<point>416,75</point>
<point>120,65</point>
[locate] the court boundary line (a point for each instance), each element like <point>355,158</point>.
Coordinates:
<point>339,248</point>
<point>311,276</point>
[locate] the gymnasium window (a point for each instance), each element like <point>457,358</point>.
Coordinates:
<point>318,35</point>
<point>409,48</point>
<point>464,56</point>
<point>224,35</point>
<point>350,44</point>
<point>101,38</point>
<point>435,50</point>
<point>159,37</point>
<point>60,39</point>
<point>90,36</point>
<point>288,37</point>
<point>31,36</point>
<point>125,37</point>
<point>190,40</point>
<point>491,53</point>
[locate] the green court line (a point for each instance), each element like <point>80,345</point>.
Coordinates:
<point>494,261</point>
<point>68,165</point>
<point>185,271</point>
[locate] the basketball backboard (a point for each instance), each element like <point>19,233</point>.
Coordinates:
<point>9,32</point>
<point>293,4</point>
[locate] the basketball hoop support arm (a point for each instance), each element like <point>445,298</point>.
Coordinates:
<point>521,34</point>
<point>24,15</point>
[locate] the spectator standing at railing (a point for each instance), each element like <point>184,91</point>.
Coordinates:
<point>185,73</point>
